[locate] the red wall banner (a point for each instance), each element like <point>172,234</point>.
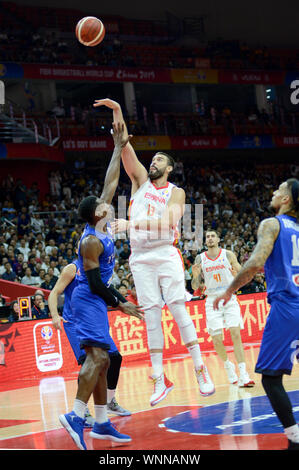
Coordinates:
<point>251,77</point>
<point>110,74</point>
<point>34,349</point>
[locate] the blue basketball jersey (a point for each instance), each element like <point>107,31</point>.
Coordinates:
<point>106,259</point>
<point>282,266</point>
<point>67,311</point>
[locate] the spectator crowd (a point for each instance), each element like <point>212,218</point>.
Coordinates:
<point>39,235</point>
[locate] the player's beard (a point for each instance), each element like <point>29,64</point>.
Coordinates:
<point>156,174</point>
<point>273,209</point>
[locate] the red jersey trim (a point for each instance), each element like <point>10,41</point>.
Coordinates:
<point>216,257</point>
<point>162,187</point>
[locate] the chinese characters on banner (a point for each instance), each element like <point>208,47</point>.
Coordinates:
<point>35,349</point>
<point>130,336</point>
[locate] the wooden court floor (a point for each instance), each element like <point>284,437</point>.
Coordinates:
<point>230,419</point>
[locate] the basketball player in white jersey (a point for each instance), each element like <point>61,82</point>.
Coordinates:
<point>217,268</point>
<point>156,207</point>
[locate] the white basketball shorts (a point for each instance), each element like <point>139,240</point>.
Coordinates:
<point>159,276</point>
<point>227,316</point>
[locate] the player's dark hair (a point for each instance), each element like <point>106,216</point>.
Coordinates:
<point>170,159</point>
<point>212,230</point>
<point>293,188</point>
<point>86,209</point>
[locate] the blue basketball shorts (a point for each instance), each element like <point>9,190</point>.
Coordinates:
<point>71,333</point>
<point>280,343</point>
<point>91,320</point>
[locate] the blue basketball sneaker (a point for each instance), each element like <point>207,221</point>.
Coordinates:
<point>74,426</point>
<point>107,431</point>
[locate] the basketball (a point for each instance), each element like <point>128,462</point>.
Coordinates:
<point>90,31</point>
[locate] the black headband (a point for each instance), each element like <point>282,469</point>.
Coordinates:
<point>295,193</point>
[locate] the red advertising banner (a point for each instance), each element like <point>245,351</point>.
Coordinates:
<point>286,141</point>
<point>199,142</point>
<point>110,74</point>
<point>33,151</point>
<point>34,349</point>
<point>88,144</point>
<point>251,77</point>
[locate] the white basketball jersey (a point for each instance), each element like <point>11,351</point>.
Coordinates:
<point>216,273</point>
<point>150,202</point>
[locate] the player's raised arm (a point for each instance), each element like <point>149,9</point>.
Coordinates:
<point>66,277</point>
<point>134,168</point>
<point>113,171</point>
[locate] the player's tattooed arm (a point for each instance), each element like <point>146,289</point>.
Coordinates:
<point>197,274</point>
<point>235,265</point>
<point>267,234</point>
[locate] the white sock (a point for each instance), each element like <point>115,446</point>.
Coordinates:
<point>79,408</point>
<point>292,433</point>
<point>110,395</point>
<point>157,363</point>
<point>100,413</point>
<point>242,367</point>
<point>195,353</point>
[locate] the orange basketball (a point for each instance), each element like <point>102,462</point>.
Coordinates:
<point>90,31</point>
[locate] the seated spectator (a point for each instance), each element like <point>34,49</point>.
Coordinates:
<point>14,312</point>
<point>2,267</point>
<point>32,265</point>
<point>2,301</point>
<point>37,223</point>
<point>48,283</point>
<point>23,248</point>
<point>132,296</point>
<point>41,276</point>
<point>53,265</point>
<point>39,309</point>
<point>258,284</point>
<point>118,248</point>
<point>50,246</point>
<point>9,274</point>
<point>126,268</point>
<point>28,279</point>
<point>123,290</point>
<point>17,266</point>
<point>125,253</point>
<point>52,276</point>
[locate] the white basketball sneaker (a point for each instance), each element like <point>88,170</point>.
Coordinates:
<point>231,372</point>
<point>206,386</point>
<point>162,386</point>
<point>245,381</point>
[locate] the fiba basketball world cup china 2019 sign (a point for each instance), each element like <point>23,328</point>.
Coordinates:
<point>47,346</point>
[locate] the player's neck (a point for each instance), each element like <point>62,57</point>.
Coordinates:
<point>160,182</point>
<point>290,212</point>
<point>213,252</point>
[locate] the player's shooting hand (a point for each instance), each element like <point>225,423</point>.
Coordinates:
<point>118,135</point>
<point>107,102</point>
<point>133,310</point>
<point>119,225</point>
<point>226,296</point>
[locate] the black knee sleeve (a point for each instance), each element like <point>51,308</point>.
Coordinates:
<point>279,399</point>
<point>113,371</point>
